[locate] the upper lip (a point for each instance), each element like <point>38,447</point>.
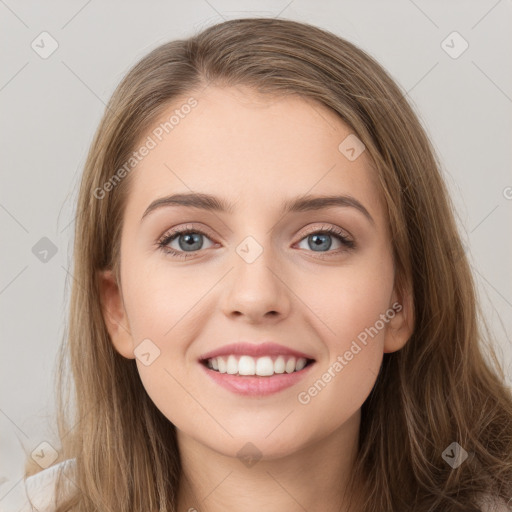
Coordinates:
<point>254,349</point>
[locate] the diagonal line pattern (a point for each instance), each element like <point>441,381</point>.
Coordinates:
<point>14,76</point>
<point>492,211</point>
<point>76,14</point>
<point>83,83</point>
<point>285,490</point>
<point>282,421</point>
<point>217,486</point>
<point>5,495</point>
<point>421,79</point>
<point>14,218</point>
<point>97,96</point>
<point>221,15</point>
<point>14,423</point>
<point>283,9</point>
<point>485,15</point>
<point>493,287</point>
<point>13,13</point>
<point>424,14</point>
<point>491,80</point>
<point>13,279</point>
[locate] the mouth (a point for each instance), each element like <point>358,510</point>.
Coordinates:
<point>264,366</point>
<point>256,376</point>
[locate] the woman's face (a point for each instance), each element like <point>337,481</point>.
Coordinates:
<point>257,272</point>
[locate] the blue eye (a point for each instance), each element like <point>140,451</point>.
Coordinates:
<point>190,241</point>
<point>323,239</point>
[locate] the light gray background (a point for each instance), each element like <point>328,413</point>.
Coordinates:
<point>51,107</point>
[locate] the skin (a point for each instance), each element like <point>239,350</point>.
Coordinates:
<point>256,151</point>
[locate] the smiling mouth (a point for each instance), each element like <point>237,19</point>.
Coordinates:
<point>264,366</point>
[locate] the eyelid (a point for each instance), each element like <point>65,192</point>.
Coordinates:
<point>327,227</point>
<point>343,236</point>
<point>176,230</point>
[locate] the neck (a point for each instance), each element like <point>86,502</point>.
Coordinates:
<point>313,478</point>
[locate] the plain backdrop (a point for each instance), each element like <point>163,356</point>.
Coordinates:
<point>51,107</point>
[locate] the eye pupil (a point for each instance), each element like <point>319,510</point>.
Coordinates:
<point>319,239</point>
<point>190,240</point>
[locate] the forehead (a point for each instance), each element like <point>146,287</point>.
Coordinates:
<point>250,148</point>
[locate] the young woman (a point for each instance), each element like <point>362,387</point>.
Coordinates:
<point>271,306</point>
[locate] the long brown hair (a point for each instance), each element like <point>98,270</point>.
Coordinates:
<point>446,385</point>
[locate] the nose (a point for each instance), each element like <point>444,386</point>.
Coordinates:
<point>256,289</point>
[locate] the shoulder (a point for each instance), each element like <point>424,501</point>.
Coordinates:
<point>40,487</point>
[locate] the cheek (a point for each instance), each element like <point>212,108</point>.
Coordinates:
<point>164,309</point>
<point>350,299</point>
<point>351,313</point>
<point>160,302</point>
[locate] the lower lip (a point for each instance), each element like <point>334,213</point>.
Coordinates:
<point>253,385</point>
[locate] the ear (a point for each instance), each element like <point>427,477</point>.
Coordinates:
<point>401,325</point>
<point>114,314</point>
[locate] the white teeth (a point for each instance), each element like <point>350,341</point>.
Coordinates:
<point>279,365</point>
<point>263,366</point>
<point>301,362</point>
<point>290,365</point>
<point>232,366</point>
<point>246,366</point>
<point>222,364</point>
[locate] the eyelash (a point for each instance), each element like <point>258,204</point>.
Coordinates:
<point>328,230</point>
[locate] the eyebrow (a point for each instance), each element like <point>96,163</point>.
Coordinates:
<point>216,204</point>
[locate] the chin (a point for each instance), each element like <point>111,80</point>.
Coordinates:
<point>259,443</point>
